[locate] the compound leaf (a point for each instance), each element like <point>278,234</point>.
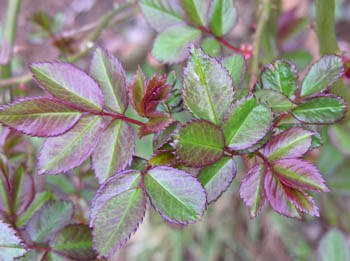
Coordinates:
<point>175,194</point>
<point>223,16</point>
<point>11,245</point>
<point>207,87</point>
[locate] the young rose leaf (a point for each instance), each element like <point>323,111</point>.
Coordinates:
<point>175,194</point>
<point>42,117</point>
<point>114,150</point>
<point>162,137</point>
<point>211,47</point>
<point>196,11</point>
<point>277,196</point>
<point>280,76</point>
<point>246,123</point>
<point>216,178</point>
<point>110,76</point>
<point>299,174</point>
<point>161,14</point>
<point>166,50</point>
<point>236,65</point>
<point>199,143</point>
<point>207,87</point>
<point>75,242</point>
<point>321,110</point>
<point>292,143</point>
<point>39,200</point>
<point>22,189</point>
<point>70,84</point>
<point>136,91</point>
<point>166,158</point>
<point>252,190</point>
<point>276,100</point>
<point>302,201</point>
<point>11,246</point>
<point>119,183</point>
<point>155,124</point>
<point>117,220</point>
<point>333,246</point>
<point>322,74</point>
<point>69,150</point>
<point>51,217</point>
<point>223,16</point>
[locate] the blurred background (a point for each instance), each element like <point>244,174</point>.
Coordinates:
<point>50,30</point>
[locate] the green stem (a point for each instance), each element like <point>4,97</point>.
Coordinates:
<point>9,36</point>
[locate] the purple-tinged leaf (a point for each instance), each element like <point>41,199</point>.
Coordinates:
<point>277,196</point>
<point>299,174</point>
<point>70,84</point>
<point>322,74</point>
<point>50,218</point>
<point>199,143</point>
<point>326,109</point>
<point>216,178</point>
<point>252,190</point>
<point>119,183</point>
<point>69,150</point>
<point>292,143</point>
<point>42,116</point>
<point>161,14</point>
<point>163,158</point>
<point>166,50</point>
<point>196,11</point>
<point>11,246</point>
<point>302,201</point>
<point>236,66</point>
<point>117,220</point>
<point>136,90</point>
<point>207,87</point>
<point>75,242</point>
<point>223,16</point>
<point>245,123</point>
<point>162,137</point>
<point>257,145</point>
<point>110,76</point>
<point>156,124</point>
<point>281,76</point>
<point>175,194</point>
<point>276,100</point>
<point>114,150</point>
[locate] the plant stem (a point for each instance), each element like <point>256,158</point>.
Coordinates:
<point>124,118</point>
<point>9,36</point>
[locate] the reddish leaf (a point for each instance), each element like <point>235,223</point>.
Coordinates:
<point>302,201</point>
<point>136,91</point>
<point>155,124</point>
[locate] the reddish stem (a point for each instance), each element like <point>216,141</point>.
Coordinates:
<point>40,248</point>
<point>124,118</point>
<point>260,155</point>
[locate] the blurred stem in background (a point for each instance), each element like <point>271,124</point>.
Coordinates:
<point>9,38</point>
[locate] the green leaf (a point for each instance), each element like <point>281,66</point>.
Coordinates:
<point>114,150</point>
<point>74,241</point>
<point>11,245</point>
<point>322,74</point>
<point>281,76</point>
<point>175,194</point>
<point>23,190</point>
<point>321,110</point>
<point>211,47</point>
<point>161,14</point>
<point>110,76</point>
<point>333,246</point>
<point>236,65</point>
<point>69,150</point>
<point>207,87</point>
<point>223,16</point>
<point>199,143</point>
<point>216,178</point>
<point>276,100</point>
<point>117,220</point>
<point>171,46</point>
<point>196,11</point>
<point>50,218</point>
<point>39,200</point>
<point>246,123</point>
<point>164,158</point>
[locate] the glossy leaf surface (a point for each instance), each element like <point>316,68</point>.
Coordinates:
<point>175,194</point>
<point>207,87</point>
<point>11,245</point>
<point>199,143</point>
<point>69,150</point>
<point>223,16</point>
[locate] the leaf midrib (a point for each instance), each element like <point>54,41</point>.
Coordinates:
<point>39,114</point>
<point>201,145</point>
